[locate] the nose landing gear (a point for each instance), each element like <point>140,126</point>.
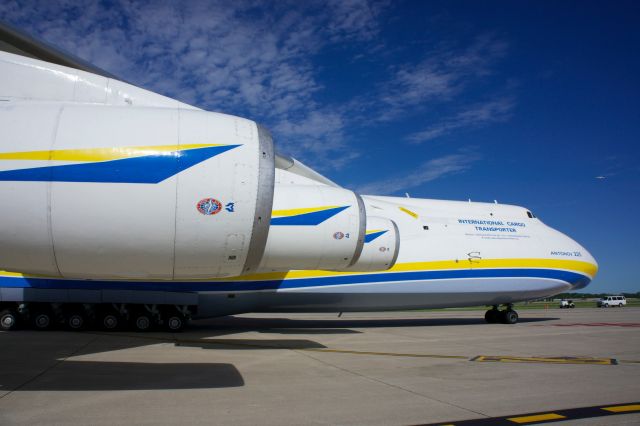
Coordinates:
<point>506,316</point>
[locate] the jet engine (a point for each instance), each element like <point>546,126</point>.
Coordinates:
<point>314,227</point>
<point>112,192</point>
<point>381,246</point>
<point>94,191</point>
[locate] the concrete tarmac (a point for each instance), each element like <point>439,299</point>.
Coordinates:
<point>396,368</point>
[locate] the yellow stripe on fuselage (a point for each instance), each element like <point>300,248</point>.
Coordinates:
<point>571,265</point>
<point>584,268</point>
<point>373,231</point>
<point>294,212</point>
<point>99,154</point>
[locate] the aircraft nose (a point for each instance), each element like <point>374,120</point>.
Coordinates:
<point>590,265</point>
<point>580,261</point>
<point>590,259</point>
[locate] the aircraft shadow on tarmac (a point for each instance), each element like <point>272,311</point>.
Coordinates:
<point>205,333</point>
<point>89,375</point>
<point>249,343</point>
<point>52,366</point>
<point>330,326</point>
<point>112,376</point>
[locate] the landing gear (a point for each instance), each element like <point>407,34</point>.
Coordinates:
<point>492,316</point>
<point>509,317</point>
<point>174,320</point>
<point>141,319</point>
<point>75,319</point>
<point>109,319</point>
<point>506,316</point>
<point>8,319</point>
<point>104,316</point>
<point>42,318</point>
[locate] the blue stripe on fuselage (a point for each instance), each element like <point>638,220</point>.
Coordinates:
<point>572,278</point>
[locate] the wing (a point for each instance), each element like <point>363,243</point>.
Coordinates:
<point>17,42</point>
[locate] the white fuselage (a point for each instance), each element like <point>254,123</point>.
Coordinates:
<point>106,185</point>
<point>451,254</point>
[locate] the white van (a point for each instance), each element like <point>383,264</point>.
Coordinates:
<point>605,302</point>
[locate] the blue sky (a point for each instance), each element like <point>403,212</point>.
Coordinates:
<point>529,103</point>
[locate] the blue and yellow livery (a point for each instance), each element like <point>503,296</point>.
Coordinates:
<point>572,273</point>
<point>373,234</point>
<point>305,216</point>
<point>136,164</point>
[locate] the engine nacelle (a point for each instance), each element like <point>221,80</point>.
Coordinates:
<point>314,227</point>
<point>381,246</point>
<point>132,193</point>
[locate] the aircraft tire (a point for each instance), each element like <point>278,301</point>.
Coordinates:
<point>509,317</point>
<point>9,319</point>
<point>109,320</point>
<point>491,316</point>
<point>75,320</point>
<point>141,321</point>
<point>42,319</point>
<point>175,322</point>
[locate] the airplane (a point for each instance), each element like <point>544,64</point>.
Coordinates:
<point>123,207</point>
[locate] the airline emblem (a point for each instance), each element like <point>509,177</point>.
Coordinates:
<point>209,206</point>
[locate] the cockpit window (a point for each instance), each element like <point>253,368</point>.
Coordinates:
<point>531,215</point>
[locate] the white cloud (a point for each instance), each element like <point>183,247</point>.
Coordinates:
<point>431,170</point>
<point>442,75</point>
<point>354,19</point>
<point>257,60</point>
<point>318,137</point>
<point>472,117</point>
<point>241,58</point>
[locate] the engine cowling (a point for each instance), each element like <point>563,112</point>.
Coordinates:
<point>381,246</point>
<point>135,193</point>
<point>314,227</point>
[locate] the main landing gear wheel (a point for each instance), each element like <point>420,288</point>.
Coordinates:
<point>109,320</point>
<point>174,321</point>
<point>42,319</point>
<point>75,320</point>
<point>8,320</point>
<point>141,321</point>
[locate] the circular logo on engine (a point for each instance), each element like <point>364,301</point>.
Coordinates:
<point>338,235</point>
<point>209,206</point>
<point>382,249</point>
